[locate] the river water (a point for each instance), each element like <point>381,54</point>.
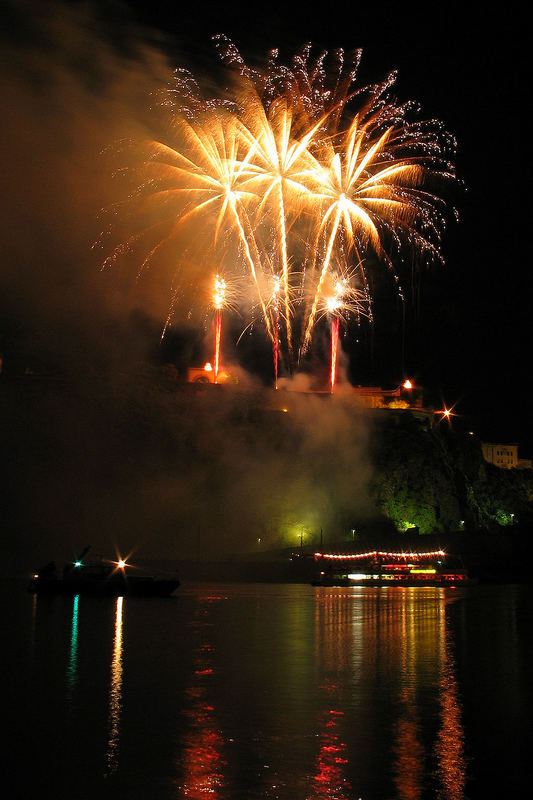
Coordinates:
<point>270,691</point>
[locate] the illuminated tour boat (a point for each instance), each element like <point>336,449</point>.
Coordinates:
<point>101,577</point>
<point>385,568</point>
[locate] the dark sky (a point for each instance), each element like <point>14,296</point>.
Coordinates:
<point>470,338</point>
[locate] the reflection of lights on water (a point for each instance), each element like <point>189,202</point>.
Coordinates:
<point>409,749</point>
<point>115,692</point>
<point>202,758</point>
<point>418,637</point>
<point>72,667</point>
<point>412,627</point>
<point>449,748</point>
<point>329,779</point>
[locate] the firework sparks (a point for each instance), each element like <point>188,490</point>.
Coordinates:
<point>219,296</point>
<point>334,346</point>
<point>275,342</point>
<point>344,299</point>
<point>292,181</point>
<point>282,168</point>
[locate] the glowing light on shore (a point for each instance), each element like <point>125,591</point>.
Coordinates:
<point>447,414</point>
<point>381,554</point>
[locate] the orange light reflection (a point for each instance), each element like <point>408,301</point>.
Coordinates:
<point>115,693</point>
<point>202,753</point>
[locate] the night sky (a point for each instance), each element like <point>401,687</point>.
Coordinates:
<point>468,337</point>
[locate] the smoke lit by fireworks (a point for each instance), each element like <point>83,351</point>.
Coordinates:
<point>295,176</point>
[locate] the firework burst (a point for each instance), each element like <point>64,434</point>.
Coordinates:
<point>296,171</point>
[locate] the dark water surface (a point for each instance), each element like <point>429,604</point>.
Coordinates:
<point>270,691</point>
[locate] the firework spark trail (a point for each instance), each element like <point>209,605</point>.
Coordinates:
<point>343,300</point>
<point>208,176</point>
<point>364,187</point>
<point>275,341</point>
<point>218,333</point>
<point>285,265</point>
<point>250,245</point>
<point>218,301</point>
<point>334,344</point>
<point>281,169</point>
<point>323,273</point>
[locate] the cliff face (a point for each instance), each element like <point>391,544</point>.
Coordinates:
<point>437,480</point>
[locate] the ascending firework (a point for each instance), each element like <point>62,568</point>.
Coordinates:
<point>219,296</point>
<point>334,345</point>
<point>344,299</point>
<point>275,340</point>
<point>295,172</point>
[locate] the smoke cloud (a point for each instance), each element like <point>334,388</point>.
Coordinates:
<point>70,88</point>
<point>108,452</point>
<point>141,462</point>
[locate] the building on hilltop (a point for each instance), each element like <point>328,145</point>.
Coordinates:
<point>504,456</point>
<point>402,397</point>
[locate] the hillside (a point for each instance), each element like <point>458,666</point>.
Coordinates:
<point>143,463</point>
<point>437,480</point>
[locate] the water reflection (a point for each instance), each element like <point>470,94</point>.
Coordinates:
<point>115,693</point>
<point>277,692</point>
<point>329,780</point>
<point>389,674</point>
<point>72,665</point>
<point>449,748</point>
<point>417,633</point>
<point>426,654</point>
<point>201,760</point>
<point>332,618</point>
